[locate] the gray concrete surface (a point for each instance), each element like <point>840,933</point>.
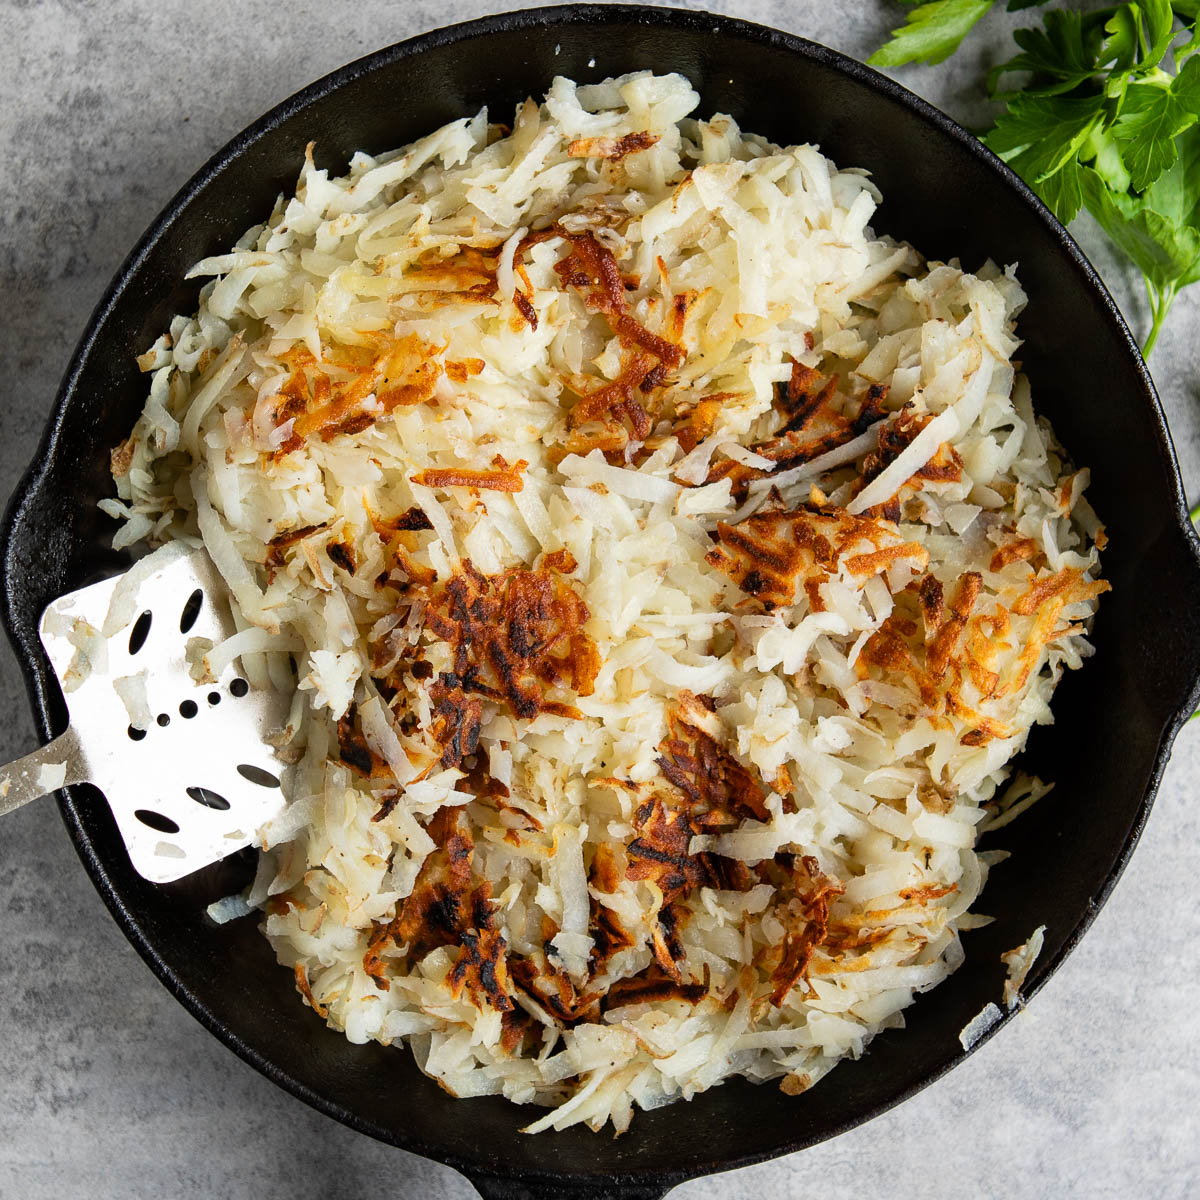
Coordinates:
<point>107,1088</point>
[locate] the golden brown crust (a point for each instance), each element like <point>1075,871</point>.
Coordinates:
<point>709,777</point>
<point>814,423</point>
<point>302,986</point>
<point>652,986</point>
<point>281,543</point>
<point>514,638</point>
<point>352,746</point>
<point>397,372</point>
<point>1021,550</point>
<point>502,478</point>
<point>946,639</point>
<point>803,911</point>
<point>550,987</point>
<point>770,555</point>
<point>461,371</point>
<point>613,149</point>
<point>591,269</point>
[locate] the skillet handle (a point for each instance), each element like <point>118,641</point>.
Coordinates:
<point>499,1187</point>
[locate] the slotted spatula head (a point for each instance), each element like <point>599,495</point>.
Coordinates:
<point>188,773</point>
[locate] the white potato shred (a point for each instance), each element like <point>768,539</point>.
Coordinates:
<point>668,567</point>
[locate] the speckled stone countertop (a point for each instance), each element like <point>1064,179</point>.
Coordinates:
<point>107,1087</point>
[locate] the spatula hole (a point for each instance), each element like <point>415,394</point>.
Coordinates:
<point>155,820</point>
<point>257,775</point>
<point>188,709</point>
<point>214,697</point>
<point>191,610</point>
<point>208,798</point>
<point>239,687</point>
<point>135,734</point>
<point>164,719</point>
<point>140,632</point>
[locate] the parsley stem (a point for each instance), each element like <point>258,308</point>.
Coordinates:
<point>1160,305</point>
<point>1194,512</point>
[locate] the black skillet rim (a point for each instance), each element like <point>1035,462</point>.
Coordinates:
<point>649,1180</point>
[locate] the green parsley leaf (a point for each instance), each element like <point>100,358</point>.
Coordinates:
<point>1190,46</point>
<point>1104,155</point>
<point>1062,193</point>
<point>1158,21</point>
<point>1175,194</point>
<point>1186,86</point>
<point>1119,49</point>
<point>1056,55</point>
<point>1167,253</point>
<point>1151,118</point>
<point>932,32</point>
<point>1038,135</point>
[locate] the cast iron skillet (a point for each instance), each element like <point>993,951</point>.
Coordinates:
<point>945,193</point>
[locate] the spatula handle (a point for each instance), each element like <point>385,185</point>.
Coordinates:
<point>37,774</point>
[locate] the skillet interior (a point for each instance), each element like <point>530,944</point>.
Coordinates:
<point>942,192</point>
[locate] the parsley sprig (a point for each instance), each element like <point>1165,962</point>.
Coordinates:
<point>1105,119</point>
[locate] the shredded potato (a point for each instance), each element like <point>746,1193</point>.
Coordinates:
<point>672,567</point>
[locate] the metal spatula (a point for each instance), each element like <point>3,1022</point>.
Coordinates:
<point>193,778</point>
